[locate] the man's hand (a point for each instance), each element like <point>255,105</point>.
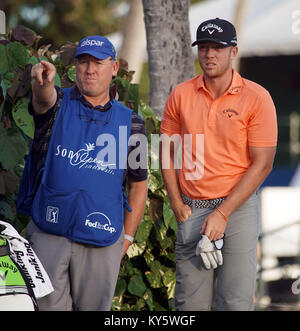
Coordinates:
<point>126,245</point>
<point>214,226</point>
<point>43,90</point>
<point>210,254</point>
<point>43,72</point>
<point>181,211</point>
<point>137,195</point>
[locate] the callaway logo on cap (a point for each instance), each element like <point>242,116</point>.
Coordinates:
<point>218,31</point>
<point>97,46</point>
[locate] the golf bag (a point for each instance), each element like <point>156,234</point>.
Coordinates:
<point>15,290</point>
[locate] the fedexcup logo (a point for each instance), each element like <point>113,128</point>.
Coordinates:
<point>92,42</point>
<point>99,221</point>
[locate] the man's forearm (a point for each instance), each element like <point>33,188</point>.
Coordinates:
<point>248,184</point>
<point>261,164</point>
<point>44,94</point>
<point>169,173</point>
<point>43,97</point>
<point>137,196</point>
<point>170,177</point>
<point>172,186</point>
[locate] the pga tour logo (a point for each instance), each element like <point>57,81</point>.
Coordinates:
<point>52,214</point>
<point>99,221</point>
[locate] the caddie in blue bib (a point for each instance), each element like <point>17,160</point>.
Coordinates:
<point>81,194</point>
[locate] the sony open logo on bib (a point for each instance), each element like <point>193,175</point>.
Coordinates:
<point>99,221</point>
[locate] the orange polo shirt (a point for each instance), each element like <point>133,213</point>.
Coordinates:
<point>216,133</point>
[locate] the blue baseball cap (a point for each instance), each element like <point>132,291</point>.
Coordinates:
<point>97,46</point>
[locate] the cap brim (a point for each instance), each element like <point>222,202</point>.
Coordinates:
<point>97,55</point>
<point>199,41</point>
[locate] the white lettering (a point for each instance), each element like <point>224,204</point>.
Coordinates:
<point>170,153</point>
<point>138,157</point>
<point>82,157</point>
<point>92,42</point>
<point>170,320</point>
<point>109,151</point>
<point>211,26</point>
<point>70,155</point>
<point>198,164</point>
<point>123,147</point>
<point>98,225</point>
<point>190,156</point>
<point>64,152</point>
<point>167,150</point>
<point>117,321</point>
<point>58,149</point>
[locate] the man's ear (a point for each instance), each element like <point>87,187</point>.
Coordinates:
<point>115,68</point>
<point>234,52</point>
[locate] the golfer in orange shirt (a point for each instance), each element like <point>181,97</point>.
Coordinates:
<point>228,129</point>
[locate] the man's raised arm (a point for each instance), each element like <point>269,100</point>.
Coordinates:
<point>44,94</point>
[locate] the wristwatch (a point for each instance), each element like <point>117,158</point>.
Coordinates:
<point>128,237</point>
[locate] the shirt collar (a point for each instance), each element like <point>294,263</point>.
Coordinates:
<point>236,84</point>
<point>235,87</point>
<point>76,95</point>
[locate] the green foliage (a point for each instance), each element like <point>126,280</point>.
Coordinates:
<point>147,274</point>
<point>59,21</point>
<point>19,50</point>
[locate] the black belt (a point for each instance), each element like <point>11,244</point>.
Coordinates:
<point>210,203</point>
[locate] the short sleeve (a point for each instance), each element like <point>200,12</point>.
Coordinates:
<point>262,126</point>
<point>137,127</point>
<point>171,119</point>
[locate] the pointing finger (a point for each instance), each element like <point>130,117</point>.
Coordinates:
<point>39,74</point>
<point>43,71</point>
<point>36,73</point>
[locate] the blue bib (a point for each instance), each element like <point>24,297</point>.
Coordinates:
<point>81,194</point>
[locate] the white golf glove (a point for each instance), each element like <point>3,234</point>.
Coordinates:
<point>210,254</point>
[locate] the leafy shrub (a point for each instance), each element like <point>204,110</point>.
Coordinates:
<point>147,274</point>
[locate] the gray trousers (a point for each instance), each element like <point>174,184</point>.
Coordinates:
<point>230,286</point>
<point>83,276</point>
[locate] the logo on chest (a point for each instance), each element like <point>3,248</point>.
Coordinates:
<point>230,112</point>
<point>88,158</point>
<point>107,153</point>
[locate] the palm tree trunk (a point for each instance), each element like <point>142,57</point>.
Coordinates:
<point>170,55</point>
<point>2,22</point>
<point>134,39</point>
<point>240,12</point>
